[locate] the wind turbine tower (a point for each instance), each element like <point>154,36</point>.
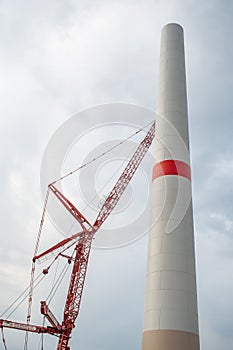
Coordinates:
<point>170,318</point>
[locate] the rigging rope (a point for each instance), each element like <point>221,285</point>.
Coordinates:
<point>15,301</point>
<point>57,284</point>
<point>26,295</point>
<point>101,155</point>
<point>55,275</point>
<point>41,342</point>
<point>35,285</point>
<point>94,197</point>
<point>3,339</point>
<point>93,160</point>
<point>33,268</point>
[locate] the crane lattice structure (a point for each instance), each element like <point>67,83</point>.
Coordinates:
<point>83,242</point>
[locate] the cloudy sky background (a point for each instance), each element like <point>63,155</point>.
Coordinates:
<point>58,58</point>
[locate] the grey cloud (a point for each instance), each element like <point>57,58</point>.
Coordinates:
<point>59,57</point>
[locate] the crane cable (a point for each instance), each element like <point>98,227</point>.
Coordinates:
<point>3,339</point>
<point>35,285</point>
<point>41,342</point>
<point>93,160</point>
<point>43,217</point>
<point>18,298</point>
<point>33,268</point>
<point>94,197</point>
<point>57,284</point>
<point>101,155</point>
<point>42,275</point>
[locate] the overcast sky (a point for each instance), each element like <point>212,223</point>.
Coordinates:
<point>60,57</point>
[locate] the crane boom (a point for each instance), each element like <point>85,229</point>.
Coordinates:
<point>70,207</point>
<point>59,246</point>
<point>123,181</point>
<point>29,327</point>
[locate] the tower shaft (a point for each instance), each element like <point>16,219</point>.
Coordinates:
<point>170,319</point>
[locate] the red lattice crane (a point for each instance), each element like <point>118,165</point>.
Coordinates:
<point>83,241</point>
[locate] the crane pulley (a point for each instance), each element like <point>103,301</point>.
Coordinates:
<point>83,241</point>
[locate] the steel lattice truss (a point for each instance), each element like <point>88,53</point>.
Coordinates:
<point>83,241</point>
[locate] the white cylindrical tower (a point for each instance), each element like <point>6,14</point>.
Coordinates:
<point>170,319</point>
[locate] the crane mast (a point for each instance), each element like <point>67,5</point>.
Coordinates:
<point>83,241</point>
<point>74,295</point>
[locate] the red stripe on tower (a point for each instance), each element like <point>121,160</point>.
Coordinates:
<point>171,167</point>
